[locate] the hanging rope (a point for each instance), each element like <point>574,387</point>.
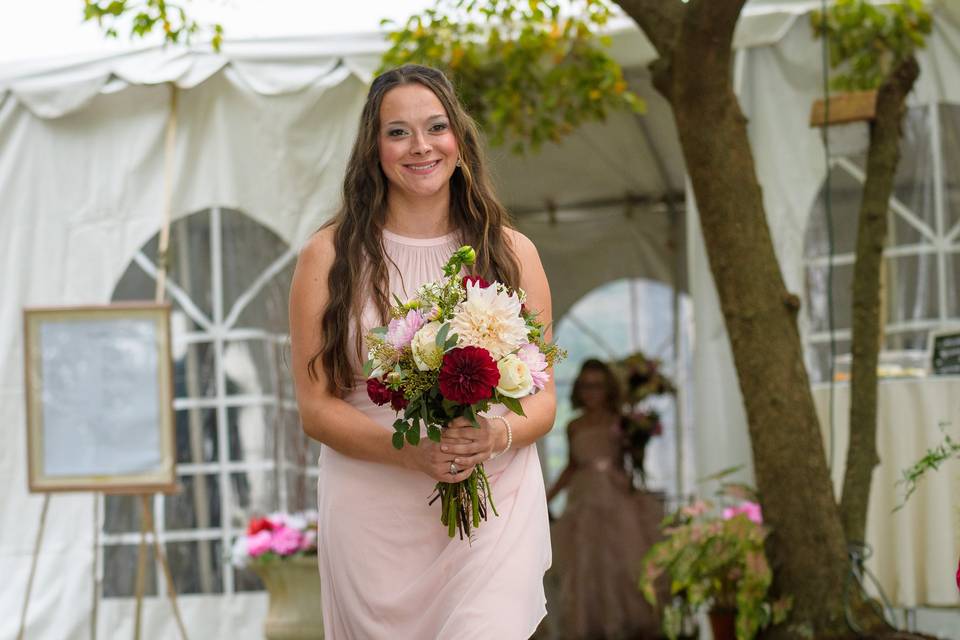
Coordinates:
<point>159,295</point>
<point>168,152</point>
<point>828,215</point>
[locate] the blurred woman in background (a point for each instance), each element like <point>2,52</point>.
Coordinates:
<point>607,527</point>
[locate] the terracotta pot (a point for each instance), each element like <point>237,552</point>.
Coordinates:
<point>723,622</point>
<point>294,612</point>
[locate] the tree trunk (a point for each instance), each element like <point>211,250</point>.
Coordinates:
<point>806,547</point>
<point>882,158</point>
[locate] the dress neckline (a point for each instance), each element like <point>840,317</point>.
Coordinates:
<point>420,242</point>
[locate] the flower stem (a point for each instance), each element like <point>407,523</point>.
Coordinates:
<point>475,499</point>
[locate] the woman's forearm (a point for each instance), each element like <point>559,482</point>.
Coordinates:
<point>540,410</point>
<point>344,428</point>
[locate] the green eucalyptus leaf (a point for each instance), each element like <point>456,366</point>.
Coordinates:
<point>513,404</point>
<point>442,334</point>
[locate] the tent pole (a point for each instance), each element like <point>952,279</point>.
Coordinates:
<point>678,355</point>
<point>677,242</point>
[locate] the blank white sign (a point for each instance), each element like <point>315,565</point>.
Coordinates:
<point>101,412</point>
<point>100,398</point>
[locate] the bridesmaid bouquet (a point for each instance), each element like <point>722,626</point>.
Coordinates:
<point>457,347</point>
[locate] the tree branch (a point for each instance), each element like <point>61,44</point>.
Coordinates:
<point>700,56</point>
<point>867,316</point>
<point>713,18</point>
<point>659,20</point>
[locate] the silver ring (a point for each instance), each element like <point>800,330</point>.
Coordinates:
<point>453,469</point>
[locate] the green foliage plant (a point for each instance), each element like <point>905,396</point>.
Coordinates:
<point>169,17</point>
<point>868,41</point>
<point>528,72</point>
<point>714,560</point>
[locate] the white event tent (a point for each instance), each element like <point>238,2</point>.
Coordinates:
<point>262,135</point>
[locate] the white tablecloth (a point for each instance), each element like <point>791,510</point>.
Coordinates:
<point>915,550</point>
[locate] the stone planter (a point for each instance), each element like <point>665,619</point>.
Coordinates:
<point>294,612</point>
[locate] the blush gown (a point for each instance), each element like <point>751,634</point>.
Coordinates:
<point>387,567</point>
<point>599,543</point>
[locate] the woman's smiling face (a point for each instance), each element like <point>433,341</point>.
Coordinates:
<point>418,151</point>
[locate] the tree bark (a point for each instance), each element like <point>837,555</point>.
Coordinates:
<point>806,547</point>
<point>882,158</point>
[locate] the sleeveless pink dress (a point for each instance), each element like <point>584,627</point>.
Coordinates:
<point>599,541</point>
<point>387,567</point>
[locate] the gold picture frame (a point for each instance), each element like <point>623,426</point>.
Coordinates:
<point>99,398</point>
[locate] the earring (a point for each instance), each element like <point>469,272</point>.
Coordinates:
<point>459,162</point>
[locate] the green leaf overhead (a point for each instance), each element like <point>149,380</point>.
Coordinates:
<point>527,71</point>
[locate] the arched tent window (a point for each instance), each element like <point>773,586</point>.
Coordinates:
<point>921,270</point>
<point>609,323</point>
<point>240,448</point>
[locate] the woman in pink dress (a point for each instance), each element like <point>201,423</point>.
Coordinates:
<point>416,188</point>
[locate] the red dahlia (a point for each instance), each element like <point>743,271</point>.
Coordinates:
<point>378,392</point>
<point>475,280</point>
<point>398,401</point>
<point>468,375</point>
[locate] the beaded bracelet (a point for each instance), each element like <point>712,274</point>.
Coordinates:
<point>509,436</point>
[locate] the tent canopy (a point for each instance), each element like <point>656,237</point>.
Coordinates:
<point>265,127</point>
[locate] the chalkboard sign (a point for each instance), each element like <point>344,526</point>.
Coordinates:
<point>945,353</point>
<point>99,394</point>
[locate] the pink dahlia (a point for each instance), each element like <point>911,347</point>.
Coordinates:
<point>531,355</point>
<point>400,331</point>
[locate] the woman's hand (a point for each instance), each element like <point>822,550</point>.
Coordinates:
<point>431,460</point>
<point>468,445</point>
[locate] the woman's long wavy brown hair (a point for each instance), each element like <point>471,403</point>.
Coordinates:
<point>360,265</point>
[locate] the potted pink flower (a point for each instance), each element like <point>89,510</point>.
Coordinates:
<point>281,549</point>
<point>714,562</point>
<point>278,535</point>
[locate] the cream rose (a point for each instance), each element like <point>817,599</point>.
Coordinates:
<point>426,354</point>
<point>515,378</point>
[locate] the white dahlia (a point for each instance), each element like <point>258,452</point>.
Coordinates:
<point>489,319</point>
